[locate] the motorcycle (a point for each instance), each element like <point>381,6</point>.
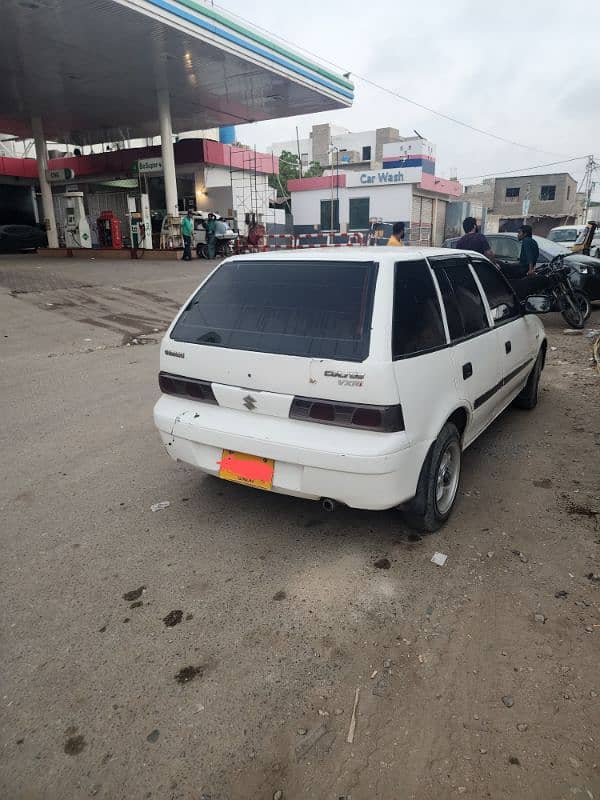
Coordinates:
<point>573,304</point>
<point>225,237</point>
<point>224,247</point>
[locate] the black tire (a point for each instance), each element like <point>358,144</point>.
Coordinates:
<point>571,310</point>
<point>424,512</point>
<point>528,397</point>
<point>583,302</point>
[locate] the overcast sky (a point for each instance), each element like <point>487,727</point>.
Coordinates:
<point>518,68</point>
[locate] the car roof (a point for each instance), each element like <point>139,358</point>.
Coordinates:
<point>568,227</point>
<point>343,253</point>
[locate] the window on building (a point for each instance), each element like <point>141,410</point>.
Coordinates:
<point>417,325</point>
<point>366,153</point>
<point>512,194</point>
<point>568,192</point>
<point>501,298</point>
<point>330,215</point>
<point>547,192</point>
<point>358,213</point>
<point>464,306</point>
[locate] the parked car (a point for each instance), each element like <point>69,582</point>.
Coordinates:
<point>572,235</point>
<point>585,270</point>
<point>347,376</point>
<point>566,234</point>
<point>21,238</point>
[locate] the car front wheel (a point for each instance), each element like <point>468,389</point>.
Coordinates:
<point>438,483</point>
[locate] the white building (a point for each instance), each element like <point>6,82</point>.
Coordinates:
<point>329,144</point>
<point>405,189</point>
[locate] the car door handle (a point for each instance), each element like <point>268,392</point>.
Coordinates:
<point>467,370</point>
<point>507,346</point>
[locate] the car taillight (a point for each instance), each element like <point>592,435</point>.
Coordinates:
<point>385,419</point>
<point>186,387</point>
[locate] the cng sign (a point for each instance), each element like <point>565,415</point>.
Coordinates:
<point>59,175</point>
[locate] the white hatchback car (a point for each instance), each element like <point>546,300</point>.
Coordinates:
<point>354,375</point>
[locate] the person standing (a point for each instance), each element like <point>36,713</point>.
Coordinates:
<point>397,237</point>
<point>522,276</point>
<point>187,231</point>
<point>211,237</point>
<point>474,240</point>
<point>529,251</point>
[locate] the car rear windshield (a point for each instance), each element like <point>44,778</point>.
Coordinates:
<point>319,309</point>
<point>565,235</point>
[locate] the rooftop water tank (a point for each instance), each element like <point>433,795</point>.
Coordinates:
<point>227,134</point>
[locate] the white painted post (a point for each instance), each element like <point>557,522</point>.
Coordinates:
<point>168,153</point>
<point>41,155</point>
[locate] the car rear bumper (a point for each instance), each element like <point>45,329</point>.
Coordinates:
<point>361,469</point>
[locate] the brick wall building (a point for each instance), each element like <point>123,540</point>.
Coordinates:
<point>552,201</point>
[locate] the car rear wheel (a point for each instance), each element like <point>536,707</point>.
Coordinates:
<point>528,397</point>
<point>438,483</point>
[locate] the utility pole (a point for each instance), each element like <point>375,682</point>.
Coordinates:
<point>590,168</point>
<point>333,166</point>
<point>526,203</point>
<point>299,154</point>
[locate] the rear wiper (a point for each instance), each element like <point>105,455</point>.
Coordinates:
<point>211,337</point>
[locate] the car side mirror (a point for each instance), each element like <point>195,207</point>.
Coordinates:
<point>538,304</point>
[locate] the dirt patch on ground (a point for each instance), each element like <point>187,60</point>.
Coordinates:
<point>75,745</point>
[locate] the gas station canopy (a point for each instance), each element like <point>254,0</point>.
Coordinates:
<point>91,70</point>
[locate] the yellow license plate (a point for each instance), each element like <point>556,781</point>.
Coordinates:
<point>251,470</point>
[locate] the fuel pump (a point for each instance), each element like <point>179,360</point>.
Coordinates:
<point>140,222</point>
<point>77,229</point>
<point>109,230</point>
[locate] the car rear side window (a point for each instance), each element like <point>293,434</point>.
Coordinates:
<point>418,325</point>
<point>465,310</point>
<point>318,309</point>
<point>501,298</point>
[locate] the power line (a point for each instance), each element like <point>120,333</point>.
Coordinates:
<point>522,169</point>
<point>452,119</point>
<point>391,92</point>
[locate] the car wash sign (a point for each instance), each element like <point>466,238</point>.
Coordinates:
<point>384,177</point>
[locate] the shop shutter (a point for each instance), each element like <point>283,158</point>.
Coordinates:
<point>440,223</point>
<point>421,219</point>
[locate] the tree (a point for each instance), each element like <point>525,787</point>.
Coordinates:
<point>289,168</point>
<point>315,170</point>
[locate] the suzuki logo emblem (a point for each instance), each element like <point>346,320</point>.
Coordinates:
<point>250,402</point>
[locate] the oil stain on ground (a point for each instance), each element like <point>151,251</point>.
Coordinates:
<point>173,618</point>
<point>188,674</point>
<point>134,594</point>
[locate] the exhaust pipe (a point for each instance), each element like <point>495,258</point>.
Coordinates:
<point>328,504</point>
